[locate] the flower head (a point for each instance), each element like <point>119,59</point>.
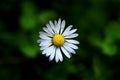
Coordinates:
<point>55,40</point>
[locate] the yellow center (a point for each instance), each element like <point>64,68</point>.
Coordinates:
<point>58,40</point>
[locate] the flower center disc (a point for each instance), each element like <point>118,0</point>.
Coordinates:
<point>58,40</point>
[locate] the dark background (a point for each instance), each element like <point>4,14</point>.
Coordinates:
<point>98,24</point>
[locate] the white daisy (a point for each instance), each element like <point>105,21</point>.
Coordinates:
<point>56,40</point>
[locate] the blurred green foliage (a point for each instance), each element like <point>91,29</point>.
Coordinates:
<point>98,24</point>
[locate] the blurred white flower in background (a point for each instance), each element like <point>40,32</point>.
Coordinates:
<point>56,40</point>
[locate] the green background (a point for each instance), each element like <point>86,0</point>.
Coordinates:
<point>98,24</point>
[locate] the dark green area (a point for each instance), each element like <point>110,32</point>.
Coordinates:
<point>98,24</point>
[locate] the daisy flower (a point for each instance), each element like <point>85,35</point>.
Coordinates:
<point>57,40</point>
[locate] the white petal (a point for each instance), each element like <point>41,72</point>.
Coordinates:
<point>52,26</point>
<point>43,36</point>
<point>59,54</point>
<point>45,46</point>
<point>62,26</point>
<point>71,36</point>
<point>50,29</point>
<point>58,26</point>
<point>73,41</point>
<point>67,30</point>
<point>52,50</point>
<point>65,52</point>
<point>52,56</point>
<point>55,22</point>
<point>47,50</point>
<point>71,45</point>
<point>42,40</point>
<point>38,41</point>
<point>69,49</point>
<point>72,31</point>
<point>56,58</point>
<point>45,42</point>
<point>47,31</point>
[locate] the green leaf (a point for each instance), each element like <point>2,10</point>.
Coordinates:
<point>113,30</point>
<point>28,22</point>
<point>29,51</point>
<point>45,16</point>
<point>108,47</point>
<point>28,18</point>
<point>101,70</point>
<point>27,47</point>
<point>95,40</point>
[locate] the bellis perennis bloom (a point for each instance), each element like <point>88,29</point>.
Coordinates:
<point>56,40</point>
